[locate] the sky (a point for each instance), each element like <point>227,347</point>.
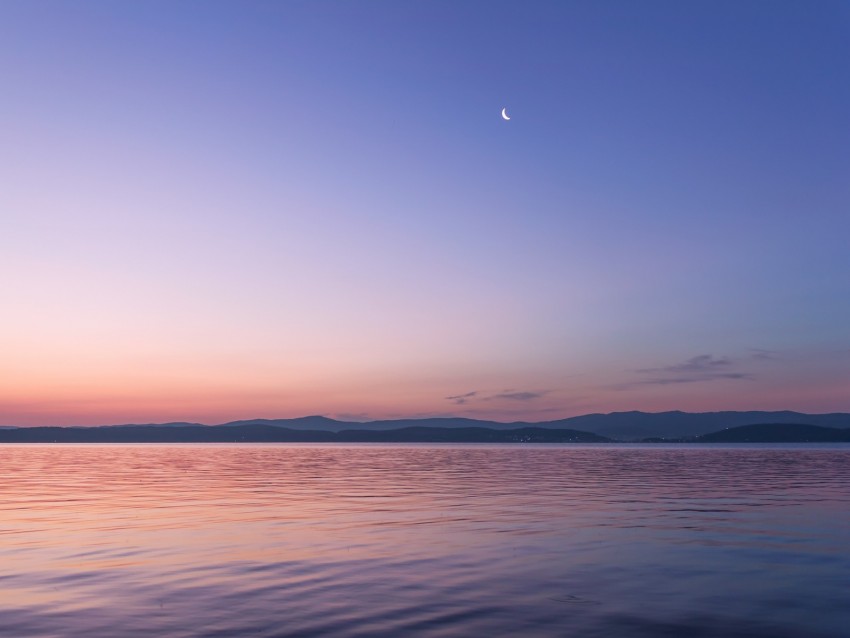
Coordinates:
<point>223,210</point>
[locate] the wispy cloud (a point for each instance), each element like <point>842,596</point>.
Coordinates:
<point>698,369</point>
<point>460,399</point>
<point>761,354</point>
<point>518,395</point>
<point>505,395</point>
<point>691,379</point>
<point>700,364</point>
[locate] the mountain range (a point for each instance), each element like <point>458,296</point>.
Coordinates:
<point>264,433</point>
<point>617,426</point>
<point>622,426</point>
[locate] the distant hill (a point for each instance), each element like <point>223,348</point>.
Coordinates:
<point>619,426</point>
<point>325,423</point>
<point>163,434</point>
<point>175,424</point>
<point>263,433</point>
<point>471,435</point>
<point>298,423</point>
<point>777,433</point>
<point>631,426</point>
<point>623,426</point>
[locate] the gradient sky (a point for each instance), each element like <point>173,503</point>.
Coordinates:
<point>221,210</point>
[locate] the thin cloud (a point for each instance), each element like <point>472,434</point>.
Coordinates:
<point>515,395</point>
<point>700,363</point>
<point>460,399</point>
<point>761,354</point>
<point>694,379</point>
<point>504,395</point>
<point>698,369</point>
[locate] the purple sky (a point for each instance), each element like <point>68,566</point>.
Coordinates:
<point>219,210</point>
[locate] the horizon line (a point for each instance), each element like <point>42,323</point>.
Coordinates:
<point>415,418</point>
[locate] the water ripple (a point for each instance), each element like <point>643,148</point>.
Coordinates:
<point>427,540</point>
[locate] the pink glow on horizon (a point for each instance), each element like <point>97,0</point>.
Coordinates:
<point>101,402</point>
<point>193,228</point>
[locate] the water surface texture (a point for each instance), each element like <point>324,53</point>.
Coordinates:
<point>424,540</point>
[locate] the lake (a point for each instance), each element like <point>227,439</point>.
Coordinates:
<point>424,540</point>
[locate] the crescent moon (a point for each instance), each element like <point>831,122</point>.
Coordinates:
<point>505,115</point>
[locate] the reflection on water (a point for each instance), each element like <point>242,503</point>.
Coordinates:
<point>386,540</point>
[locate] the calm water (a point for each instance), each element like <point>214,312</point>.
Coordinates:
<point>418,540</point>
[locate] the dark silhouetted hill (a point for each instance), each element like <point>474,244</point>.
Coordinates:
<point>631,426</point>
<point>619,426</point>
<point>259,433</point>
<point>777,433</point>
<point>163,434</point>
<point>470,435</point>
<point>299,423</point>
<point>174,424</point>
<point>623,426</point>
